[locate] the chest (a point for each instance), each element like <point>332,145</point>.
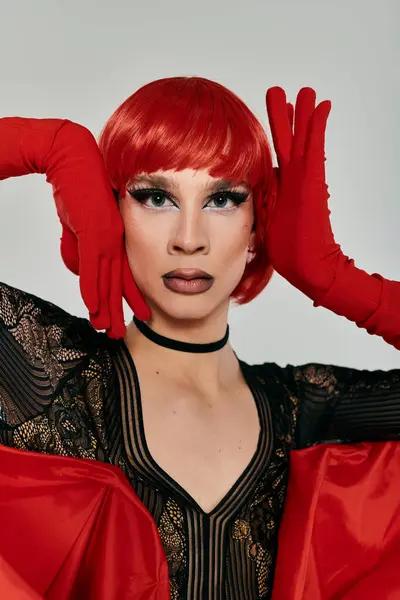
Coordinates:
<point>203,444</point>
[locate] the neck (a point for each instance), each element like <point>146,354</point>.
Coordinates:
<point>208,372</point>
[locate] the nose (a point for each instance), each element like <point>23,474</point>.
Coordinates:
<point>189,234</point>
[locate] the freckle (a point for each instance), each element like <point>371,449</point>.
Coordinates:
<point>174,412</point>
<point>239,447</point>
<point>219,450</point>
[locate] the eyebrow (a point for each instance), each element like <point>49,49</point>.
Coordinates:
<point>169,183</point>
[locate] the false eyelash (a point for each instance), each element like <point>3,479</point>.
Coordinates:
<point>237,197</point>
<point>141,193</point>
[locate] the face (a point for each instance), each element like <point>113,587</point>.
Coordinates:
<point>187,238</point>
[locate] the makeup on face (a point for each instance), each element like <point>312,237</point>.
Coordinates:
<point>158,192</point>
<point>188,281</point>
<point>178,215</point>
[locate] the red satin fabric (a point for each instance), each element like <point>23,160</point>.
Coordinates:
<point>12,586</point>
<point>74,529</point>
<point>340,534</point>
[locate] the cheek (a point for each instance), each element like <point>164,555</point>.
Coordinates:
<point>142,243</point>
<point>233,241</point>
<point>244,228</point>
<point>230,254</point>
<point>135,235</point>
<point>140,237</point>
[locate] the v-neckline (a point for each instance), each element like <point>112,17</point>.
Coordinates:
<point>263,449</point>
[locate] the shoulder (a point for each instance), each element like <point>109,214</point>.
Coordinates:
<point>40,327</point>
<point>270,375</point>
<point>313,393</point>
<point>324,377</point>
<point>43,348</point>
<point>275,386</point>
<point>56,378</point>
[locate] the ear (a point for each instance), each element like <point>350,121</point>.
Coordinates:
<point>251,247</point>
<point>252,240</point>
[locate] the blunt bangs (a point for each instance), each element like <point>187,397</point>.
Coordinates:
<point>181,123</point>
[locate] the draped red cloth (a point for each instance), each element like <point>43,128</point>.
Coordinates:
<point>74,529</point>
<point>340,534</point>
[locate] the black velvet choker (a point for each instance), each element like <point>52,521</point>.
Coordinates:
<point>177,345</point>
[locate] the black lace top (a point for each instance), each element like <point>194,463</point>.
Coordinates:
<point>66,389</point>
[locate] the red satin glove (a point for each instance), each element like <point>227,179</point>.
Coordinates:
<point>300,240</point>
<point>69,156</point>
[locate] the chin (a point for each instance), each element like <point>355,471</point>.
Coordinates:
<point>187,307</point>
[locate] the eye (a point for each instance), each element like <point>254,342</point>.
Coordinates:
<point>152,198</point>
<point>156,198</point>
<point>227,200</point>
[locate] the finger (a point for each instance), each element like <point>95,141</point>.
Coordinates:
<point>290,110</point>
<point>89,279</point>
<point>101,319</point>
<point>272,195</point>
<point>69,250</point>
<point>315,151</point>
<point>132,294</point>
<point>117,329</point>
<point>305,105</point>
<point>279,122</point>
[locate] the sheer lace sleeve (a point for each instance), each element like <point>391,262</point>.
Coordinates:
<point>343,404</point>
<point>40,347</point>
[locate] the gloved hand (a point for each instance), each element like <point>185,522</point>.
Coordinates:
<point>301,244</point>
<point>70,256</point>
<point>68,154</point>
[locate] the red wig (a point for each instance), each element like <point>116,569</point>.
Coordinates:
<point>191,122</point>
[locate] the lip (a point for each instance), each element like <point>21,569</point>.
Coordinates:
<point>198,285</point>
<point>187,274</point>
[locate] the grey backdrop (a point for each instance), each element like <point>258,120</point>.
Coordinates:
<point>81,59</point>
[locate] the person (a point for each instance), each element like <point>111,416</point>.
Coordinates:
<point>180,210</point>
